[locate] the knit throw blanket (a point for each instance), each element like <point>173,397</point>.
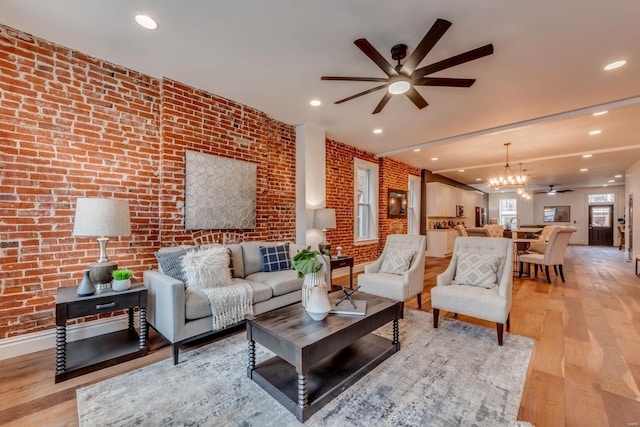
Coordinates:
<point>230,304</point>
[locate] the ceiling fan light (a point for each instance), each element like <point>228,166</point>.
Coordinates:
<point>399,86</point>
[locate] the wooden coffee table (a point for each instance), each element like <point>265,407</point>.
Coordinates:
<point>317,360</point>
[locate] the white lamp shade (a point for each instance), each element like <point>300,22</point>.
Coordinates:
<point>102,217</point>
<point>324,218</point>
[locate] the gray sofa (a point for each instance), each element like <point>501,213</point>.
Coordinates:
<point>181,315</point>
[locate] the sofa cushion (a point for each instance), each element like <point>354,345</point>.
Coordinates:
<point>197,304</point>
<point>476,269</point>
<point>281,282</point>
<point>275,258</point>
<point>251,256</point>
<point>236,260</point>
<point>170,261</point>
<point>397,261</point>
<point>207,268</point>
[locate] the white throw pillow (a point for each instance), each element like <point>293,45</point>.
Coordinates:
<point>207,268</point>
<point>397,261</point>
<point>477,270</point>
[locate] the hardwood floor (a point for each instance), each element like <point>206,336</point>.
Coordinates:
<point>585,369</point>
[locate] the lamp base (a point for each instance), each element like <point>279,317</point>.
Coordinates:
<point>100,274</point>
<point>325,248</point>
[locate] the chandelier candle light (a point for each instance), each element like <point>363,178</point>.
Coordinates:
<point>509,178</point>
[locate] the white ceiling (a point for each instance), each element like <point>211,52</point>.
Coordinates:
<point>548,59</point>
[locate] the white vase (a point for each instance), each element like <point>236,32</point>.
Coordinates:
<point>311,280</point>
<point>318,305</point>
<point>121,285</point>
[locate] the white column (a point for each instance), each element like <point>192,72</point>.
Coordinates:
<point>310,182</point>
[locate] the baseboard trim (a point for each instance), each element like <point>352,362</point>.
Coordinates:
<point>44,340</point>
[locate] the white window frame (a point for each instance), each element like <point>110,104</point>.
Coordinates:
<point>501,221</point>
<point>373,202</point>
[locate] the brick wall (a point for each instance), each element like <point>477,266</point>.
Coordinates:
<point>198,121</point>
<point>74,126</point>
<point>393,175</point>
<point>340,182</point>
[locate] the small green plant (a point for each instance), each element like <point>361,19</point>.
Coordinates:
<point>121,274</point>
<point>305,262</point>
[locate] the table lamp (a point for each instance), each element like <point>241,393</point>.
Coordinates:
<point>102,217</point>
<point>324,218</point>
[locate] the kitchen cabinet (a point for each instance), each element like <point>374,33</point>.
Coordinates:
<point>440,242</point>
<point>441,200</point>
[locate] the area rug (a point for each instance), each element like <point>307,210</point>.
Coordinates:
<point>455,375</point>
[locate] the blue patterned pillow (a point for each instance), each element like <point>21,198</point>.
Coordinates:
<point>171,262</point>
<point>275,258</point>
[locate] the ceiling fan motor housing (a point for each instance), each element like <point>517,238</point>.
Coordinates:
<point>399,52</point>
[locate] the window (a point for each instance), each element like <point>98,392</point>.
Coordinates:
<point>508,210</point>
<point>602,198</point>
<point>365,201</point>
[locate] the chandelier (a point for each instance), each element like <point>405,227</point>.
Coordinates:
<point>508,179</point>
<point>522,190</point>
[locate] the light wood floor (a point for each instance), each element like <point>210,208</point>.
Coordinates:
<point>585,369</point>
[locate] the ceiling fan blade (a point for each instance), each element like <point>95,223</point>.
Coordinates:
<point>355,79</point>
<point>449,82</point>
<point>375,56</point>
<point>387,96</point>
<point>416,98</point>
<point>361,93</point>
<point>424,47</point>
<point>454,60</point>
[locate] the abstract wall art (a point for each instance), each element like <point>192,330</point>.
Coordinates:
<point>220,193</point>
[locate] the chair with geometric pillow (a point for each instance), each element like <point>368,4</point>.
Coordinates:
<point>398,273</point>
<point>477,282</point>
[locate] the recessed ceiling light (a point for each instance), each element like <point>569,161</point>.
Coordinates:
<point>605,185</point>
<point>586,156</point>
<point>460,170</point>
<point>612,180</point>
<point>584,170</point>
<point>434,158</point>
<point>377,131</point>
<point>478,179</point>
<point>614,65</point>
<point>146,21</point>
<point>600,113</point>
<point>617,176</point>
<point>416,150</point>
<point>315,102</point>
<point>595,132</point>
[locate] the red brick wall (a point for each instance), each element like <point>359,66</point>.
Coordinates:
<point>393,175</point>
<point>74,126</point>
<point>198,121</point>
<point>340,182</point>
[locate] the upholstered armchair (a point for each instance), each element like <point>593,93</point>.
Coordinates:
<point>461,229</point>
<point>495,230</point>
<point>553,254</point>
<point>477,282</point>
<point>398,273</point>
<point>540,245</point>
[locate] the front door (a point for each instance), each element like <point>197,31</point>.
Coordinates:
<point>601,225</point>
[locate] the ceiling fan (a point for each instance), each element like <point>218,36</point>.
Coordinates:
<point>552,190</point>
<point>403,78</point>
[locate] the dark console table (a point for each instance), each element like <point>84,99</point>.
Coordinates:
<point>339,262</point>
<point>90,354</point>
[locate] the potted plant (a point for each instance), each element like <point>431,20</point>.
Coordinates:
<point>314,287</point>
<point>121,280</point>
